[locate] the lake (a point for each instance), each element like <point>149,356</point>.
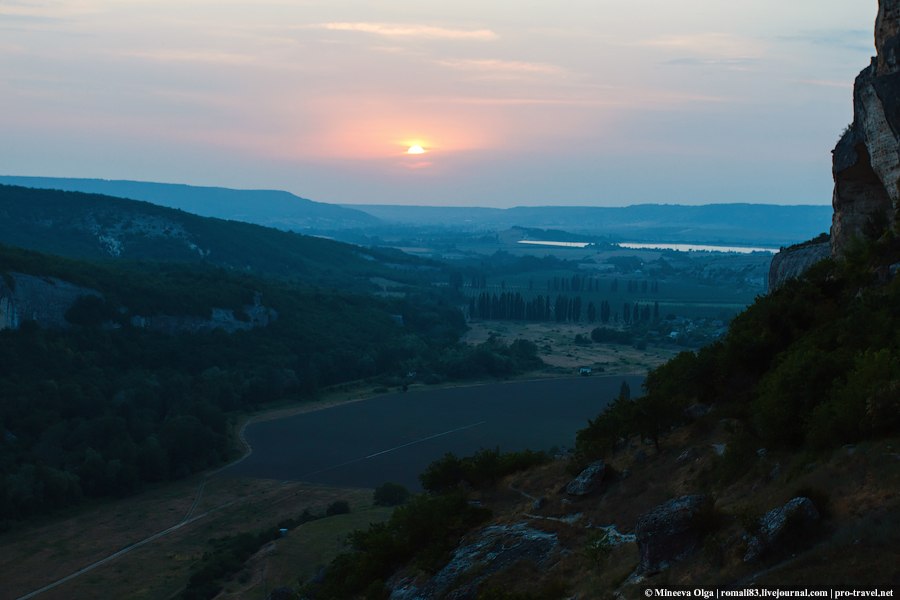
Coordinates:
<point>394,437</point>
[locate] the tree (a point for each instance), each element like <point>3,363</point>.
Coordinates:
<point>390,494</point>
<point>625,391</point>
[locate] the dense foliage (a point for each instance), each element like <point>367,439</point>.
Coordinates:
<point>814,364</point>
<point>426,529</point>
<point>104,407</point>
<point>482,468</point>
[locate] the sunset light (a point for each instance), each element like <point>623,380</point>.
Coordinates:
<point>415,150</point>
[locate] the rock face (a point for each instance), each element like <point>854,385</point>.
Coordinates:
<point>794,261</point>
<point>489,551</point>
<point>222,318</point>
<point>866,163</point>
<point>45,300</point>
<point>588,480</point>
<point>668,533</point>
<point>797,515</point>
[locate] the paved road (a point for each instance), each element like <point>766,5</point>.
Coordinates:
<point>395,437</point>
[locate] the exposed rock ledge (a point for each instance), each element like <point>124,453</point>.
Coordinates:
<point>793,262</point>
<point>46,300</point>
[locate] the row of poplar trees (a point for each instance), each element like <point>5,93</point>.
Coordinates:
<point>511,306</point>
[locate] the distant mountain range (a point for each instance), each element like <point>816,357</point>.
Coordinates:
<point>745,224</point>
<point>738,224</point>
<point>271,208</point>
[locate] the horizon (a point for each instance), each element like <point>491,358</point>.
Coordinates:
<point>610,105</point>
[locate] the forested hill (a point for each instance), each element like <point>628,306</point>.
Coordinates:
<point>94,226</point>
<point>271,208</point>
<point>103,405</point>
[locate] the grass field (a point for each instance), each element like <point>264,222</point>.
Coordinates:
<point>37,556</point>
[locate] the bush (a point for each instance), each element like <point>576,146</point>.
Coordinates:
<point>338,507</point>
<point>483,467</point>
<point>390,494</point>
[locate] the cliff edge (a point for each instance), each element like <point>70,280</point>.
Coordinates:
<point>866,162</point>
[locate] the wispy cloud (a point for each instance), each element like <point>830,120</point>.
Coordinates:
<point>823,82</point>
<point>420,31</point>
<point>709,44</point>
<point>191,56</point>
<point>507,66</point>
<point>849,39</point>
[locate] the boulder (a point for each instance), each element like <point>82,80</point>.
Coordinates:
<point>588,480</point>
<point>283,593</point>
<point>539,503</point>
<point>796,516</point>
<point>668,533</point>
<point>491,550</point>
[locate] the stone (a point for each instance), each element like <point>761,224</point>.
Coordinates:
<point>641,456</point>
<point>797,515</point>
<point>668,533</point>
<point>283,593</point>
<point>588,480</point>
<point>865,163</point>
<point>794,261</point>
<point>695,411</point>
<point>539,503</point>
<point>479,555</point>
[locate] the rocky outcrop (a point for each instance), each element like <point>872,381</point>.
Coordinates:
<point>796,516</point>
<point>45,300</point>
<point>668,533</point>
<point>489,551</point>
<point>794,261</point>
<point>588,480</point>
<point>866,163</point>
<point>257,315</point>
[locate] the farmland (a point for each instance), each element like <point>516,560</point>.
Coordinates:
<point>394,437</point>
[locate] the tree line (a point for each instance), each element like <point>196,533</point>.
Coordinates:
<point>562,309</point>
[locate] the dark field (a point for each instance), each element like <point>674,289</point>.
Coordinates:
<point>395,437</point>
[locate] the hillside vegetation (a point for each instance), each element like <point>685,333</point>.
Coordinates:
<point>94,226</point>
<point>800,400</point>
<point>105,406</point>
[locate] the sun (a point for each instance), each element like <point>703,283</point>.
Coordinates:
<point>415,150</point>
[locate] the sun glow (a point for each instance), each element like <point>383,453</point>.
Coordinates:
<point>415,150</point>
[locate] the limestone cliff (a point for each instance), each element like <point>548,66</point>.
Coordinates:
<point>866,163</point>
<point>46,300</point>
<point>794,261</point>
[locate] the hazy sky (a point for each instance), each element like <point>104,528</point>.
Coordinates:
<point>597,102</point>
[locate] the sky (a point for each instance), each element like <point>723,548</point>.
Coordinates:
<point>515,103</point>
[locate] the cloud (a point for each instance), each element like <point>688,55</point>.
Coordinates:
<point>418,165</point>
<point>822,82</point>
<point>193,56</point>
<point>507,66</point>
<point>709,44</point>
<point>420,31</point>
<point>845,39</point>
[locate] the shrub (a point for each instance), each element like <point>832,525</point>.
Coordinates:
<point>390,494</point>
<point>338,507</point>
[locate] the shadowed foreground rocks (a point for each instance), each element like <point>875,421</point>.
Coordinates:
<point>796,517</point>
<point>668,533</point>
<point>489,551</point>
<point>588,480</point>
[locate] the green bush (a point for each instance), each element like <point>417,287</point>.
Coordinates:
<point>338,507</point>
<point>484,467</point>
<point>390,494</point>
